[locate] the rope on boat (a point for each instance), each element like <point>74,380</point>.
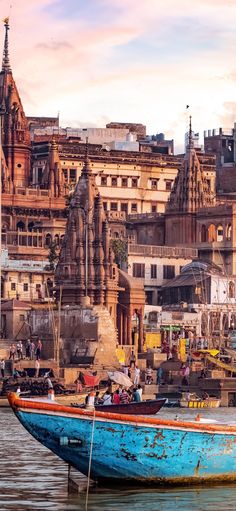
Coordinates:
<point>90,461</point>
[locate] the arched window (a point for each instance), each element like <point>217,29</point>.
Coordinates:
<point>219,233</point>
<point>5,227</point>
<point>229,232</point>
<point>30,226</point>
<point>116,234</point>
<point>48,240</point>
<point>211,233</point>
<point>203,233</point>
<point>61,239</point>
<point>231,289</point>
<point>20,226</point>
<point>56,239</point>
<point>66,271</point>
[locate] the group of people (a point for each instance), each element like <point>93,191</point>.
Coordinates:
<point>32,350</point>
<point>120,396</point>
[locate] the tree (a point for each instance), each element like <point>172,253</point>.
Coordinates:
<point>120,249</point>
<point>53,255</point>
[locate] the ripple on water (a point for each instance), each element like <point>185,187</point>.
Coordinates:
<point>33,479</point>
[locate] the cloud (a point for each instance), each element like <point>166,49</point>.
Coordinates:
<point>55,46</point>
<point>127,60</point>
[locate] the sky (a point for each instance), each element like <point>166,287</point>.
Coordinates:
<point>97,61</point>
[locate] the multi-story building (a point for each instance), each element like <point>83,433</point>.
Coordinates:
<point>156,265</point>
<point>25,280</point>
<point>222,143</point>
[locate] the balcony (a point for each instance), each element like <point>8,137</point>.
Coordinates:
<point>116,216</point>
<point>162,251</point>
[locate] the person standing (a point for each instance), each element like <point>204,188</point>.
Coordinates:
<point>132,359</point>
<point>2,367</point>
<point>32,350</point>
<point>159,375</point>
<point>27,349</point>
<point>12,352</point>
<point>19,350</point>
<point>38,350</point>
<point>37,368</point>
<point>136,375</point>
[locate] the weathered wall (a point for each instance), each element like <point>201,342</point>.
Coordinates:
<point>88,334</point>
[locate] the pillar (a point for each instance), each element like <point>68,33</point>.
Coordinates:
<point>124,328</point>
<point>140,332</point>
<point>129,340</point>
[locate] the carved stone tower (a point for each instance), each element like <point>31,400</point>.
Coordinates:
<point>15,131</point>
<point>55,176</point>
<point>190,192</point>
<point>86,266</point>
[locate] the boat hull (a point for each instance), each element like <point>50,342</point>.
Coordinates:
<point>132,449</point>
<point>201,403</point>
<point>140,408</point>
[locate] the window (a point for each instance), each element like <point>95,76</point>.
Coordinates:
<point>139,270</point>
<point>25,286</point>
<point>154,183</point>
<point>219,233</point>
<point>153,271</point>
<point>65,172</point>
<point>124,182</point>
<point>104,180</point>
<point>168,186</point>
<point>124,207</point>
<point>105,206</point>
<point>134,182</point>
<point>13,286</point>
<point>72,174</point>
<point>154,208</point>
<point>22,317</point>
<point>168,272</point>
<point>40,175</point>
<point>48,240</point>
<point>114,181</point>
<point>38,287</point>
<point>134,207</point>
<point>148,297</point>
<point>114,206</point>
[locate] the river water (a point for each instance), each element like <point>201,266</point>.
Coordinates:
<point>33,479</point>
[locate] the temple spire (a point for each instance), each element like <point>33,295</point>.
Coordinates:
<point>87,163</point>
<point>5,60</point>
<point>190,133</point>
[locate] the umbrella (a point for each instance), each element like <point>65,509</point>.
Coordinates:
<point>120,378</point>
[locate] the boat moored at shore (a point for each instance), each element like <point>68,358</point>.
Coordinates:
<point>131,449</point>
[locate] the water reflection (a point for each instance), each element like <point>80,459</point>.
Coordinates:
<point>32,478</point>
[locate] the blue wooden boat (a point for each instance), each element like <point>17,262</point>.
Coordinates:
<point>131,449</point>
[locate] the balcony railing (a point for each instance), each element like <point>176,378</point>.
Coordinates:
<point>162,251</point>
<point>20,238</point>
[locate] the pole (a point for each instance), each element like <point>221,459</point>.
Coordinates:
<point>59,329</point>
<point>1,113</point>
<point>86,256</point>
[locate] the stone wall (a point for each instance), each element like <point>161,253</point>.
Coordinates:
<point>87,334</point>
